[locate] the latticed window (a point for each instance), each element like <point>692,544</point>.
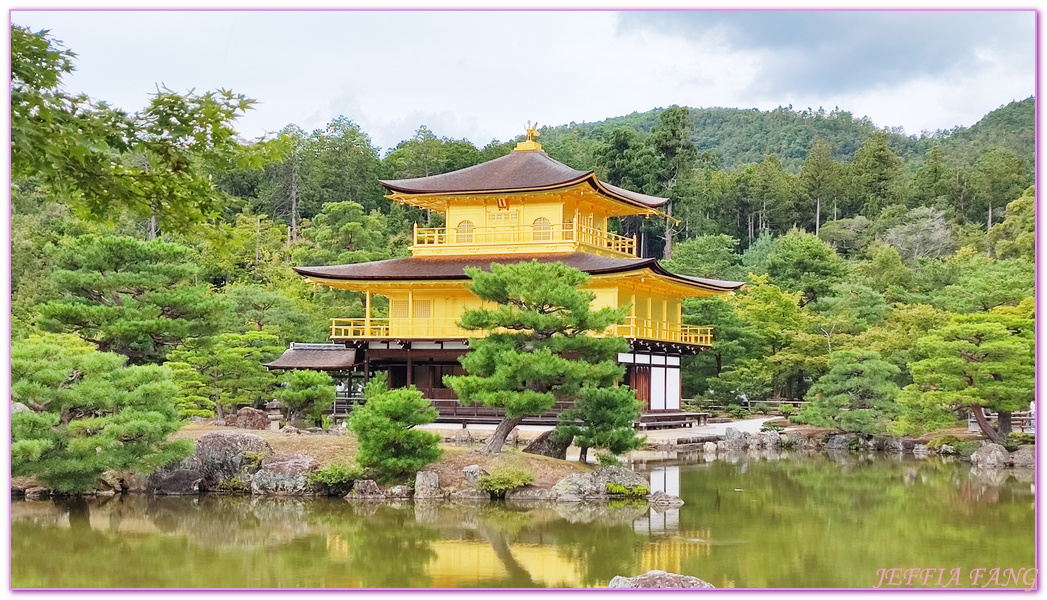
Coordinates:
<point>465,232</point>
<point>542,229</point>
<point>568,229</point>
<point>401,309</point>
<point>423,309</point>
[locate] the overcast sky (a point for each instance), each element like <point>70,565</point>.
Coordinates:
<point>483,75</point>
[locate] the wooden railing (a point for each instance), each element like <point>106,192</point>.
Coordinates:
<point>525,234</point>
<point>647,329</point>
<point>419,328</point>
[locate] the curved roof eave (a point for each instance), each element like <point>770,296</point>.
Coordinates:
<point>514,172</point>
<point>452,268</point>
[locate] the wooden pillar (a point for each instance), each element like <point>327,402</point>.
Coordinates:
<point>367,313</point>
<point>649,306</point>
<point>665,315</point>
<point>632,313</point>
<point>410,367</point>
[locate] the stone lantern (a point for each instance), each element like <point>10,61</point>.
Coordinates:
<point>275,409</point>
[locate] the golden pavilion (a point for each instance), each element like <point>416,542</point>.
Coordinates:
<point>519,207</point>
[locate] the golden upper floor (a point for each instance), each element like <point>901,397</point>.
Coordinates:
<point>522,203</point>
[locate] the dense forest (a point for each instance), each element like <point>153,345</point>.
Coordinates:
<point>890,277</point>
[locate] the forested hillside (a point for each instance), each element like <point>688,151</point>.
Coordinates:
<point>741,136</point>
<point>161,238</point>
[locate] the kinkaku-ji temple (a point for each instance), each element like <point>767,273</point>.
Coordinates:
<point>521,207</point>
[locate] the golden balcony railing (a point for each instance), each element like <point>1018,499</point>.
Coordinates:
<point>407,328</point>
<point>525,234</point>
<point>647,329</point>
<point>425,328</point>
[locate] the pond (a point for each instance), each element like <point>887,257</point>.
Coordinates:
<point>808,521</point>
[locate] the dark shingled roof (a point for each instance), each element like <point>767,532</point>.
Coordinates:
<point>520,170</point>
<point>316,357</point>
<point>453,267</point>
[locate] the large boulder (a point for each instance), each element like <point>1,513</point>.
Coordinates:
<point>464,437</point>
<point>427,485</point>
<point>659,579</point>
<point>797,441</point>
<point>398,491</point>
<point>838,442</point>
<point>224,456</point>
<point>249,418</point>
<point>990,456</point>
<point>618,476</point>
<point>907,444</point>
<point>735,440</point>
<point>545,445</point>
<point>471,495</point>
<point>176,482</point>
<point>709,448</point>
<point>595,484</point>
<point>1024,456</point>
<point>285,475</point>
<point>37,493</point>
<point>579,485</point>
<point>473,474</point>
<point>366,489</point>
<point>110,481</point>
<point>530,493</point>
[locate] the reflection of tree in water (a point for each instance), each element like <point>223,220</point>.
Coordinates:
<point>387,547</point>
<point>600,551</point>
<point>828,521</point>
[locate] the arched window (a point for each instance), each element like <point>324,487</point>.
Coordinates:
<point>465,232</point>
<point>542,230</point>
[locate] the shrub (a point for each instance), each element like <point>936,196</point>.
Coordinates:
<point>772,426</point>
<point>233,486</point>
<point>737,412</point>
<point>786,409</point>
<point>608,460</point>
<point>854,445</point>
<point>1023,439</point>
<point>617,489</point>
<point>942,440</point>
<point>967,447</point>
<point>338,478</point>
<point>504,478</point>
<point>762,407</point>
<point>336,474</point>
<point>384,431</point>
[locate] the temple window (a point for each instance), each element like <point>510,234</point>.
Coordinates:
<point>465,232</point>
<point>542,229</point>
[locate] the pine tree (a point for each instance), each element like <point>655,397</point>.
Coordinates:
<point>541,348</point>
<point>127,296</point>
<point>602,417</point>
<point>857,394</point>
<point>384,429</point>
<point>229,369</point>
<point>88,413</point>
<point>308,393</point>
<point>979,361</point>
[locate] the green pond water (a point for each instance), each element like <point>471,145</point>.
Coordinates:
<point>807,521</point>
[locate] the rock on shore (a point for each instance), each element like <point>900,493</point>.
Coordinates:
<point>659,579</point>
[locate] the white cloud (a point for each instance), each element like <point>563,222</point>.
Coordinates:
<point>483,75</point>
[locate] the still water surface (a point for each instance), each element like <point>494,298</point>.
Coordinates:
<point>798,522</point>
